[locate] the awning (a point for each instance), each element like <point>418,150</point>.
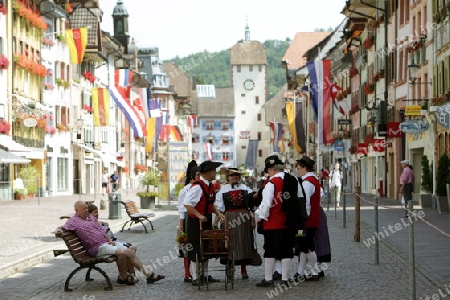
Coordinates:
<point>9,158</point>
<point>18,149</point>
<point>104,157</point>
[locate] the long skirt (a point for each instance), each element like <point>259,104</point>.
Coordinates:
<point>193,236</point>
<point>241,240</point>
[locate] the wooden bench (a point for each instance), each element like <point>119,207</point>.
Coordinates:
<point>135,215</point>
<point>81,257</point>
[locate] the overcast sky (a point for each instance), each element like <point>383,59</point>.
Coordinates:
<point>183,27</point>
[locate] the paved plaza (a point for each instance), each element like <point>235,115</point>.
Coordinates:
<point>352,274</point>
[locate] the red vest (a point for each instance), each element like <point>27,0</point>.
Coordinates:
<point>313,220</point>
<point>277,218</point>
<point>206,200</point>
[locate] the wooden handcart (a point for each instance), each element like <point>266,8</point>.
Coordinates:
<point>216,244</point>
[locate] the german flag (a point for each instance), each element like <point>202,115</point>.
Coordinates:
<point>76,40</point>
<point>100,103</point>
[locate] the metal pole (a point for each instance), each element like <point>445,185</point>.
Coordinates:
<point>39,190</point>
<point>344,205</point>
<point>377,242</point>
<point>412,274</point>
<point>356,237</point>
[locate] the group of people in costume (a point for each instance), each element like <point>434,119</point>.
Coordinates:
<point>242,209</point>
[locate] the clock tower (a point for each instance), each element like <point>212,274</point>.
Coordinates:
<point>249,81</point>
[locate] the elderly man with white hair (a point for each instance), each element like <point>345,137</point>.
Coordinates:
<point>406,183</point>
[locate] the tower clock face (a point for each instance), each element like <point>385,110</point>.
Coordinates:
<point>249,84</point>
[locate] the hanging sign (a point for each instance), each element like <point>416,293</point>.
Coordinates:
<point>443,115</point>
<point>29,122</point>
<point>414,126</point>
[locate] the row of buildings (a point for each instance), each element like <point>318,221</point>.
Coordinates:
<point>390,85</point>
<point>157,116</point>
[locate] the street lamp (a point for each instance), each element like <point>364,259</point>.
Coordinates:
<point>413,70</point>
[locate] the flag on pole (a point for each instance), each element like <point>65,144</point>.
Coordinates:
<point>123,77</point>
<point>76,40</point>
<point>208,151</point>
<point>252,152</point>
<point>277,131</point>
<point>320,72</point>
<point>296,128</point>
<point>335,89</point>
<point>100,103</point>
<point>150,140</point>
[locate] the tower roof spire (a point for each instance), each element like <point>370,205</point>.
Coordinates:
<point>247,30</point>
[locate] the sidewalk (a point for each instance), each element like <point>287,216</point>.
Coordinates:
<point>27,227</point>
<point>352,274</point>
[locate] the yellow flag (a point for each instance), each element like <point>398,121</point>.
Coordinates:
<point>100,103</point>
<point>151,122</point>
<point>290,112</point>
<point>76,40</point>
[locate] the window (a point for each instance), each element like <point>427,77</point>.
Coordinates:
<point>260,68</point>
<point>195,138</point>
<point>250,68</point>
<point>244,134</point>
<point>225,125</point>
<point>209,139</point>
<point>225,155</point>
<point>258,117</point>
<point>226,139</point>
<point>1,46</point>
<point>260,153</point>
<point>257,100</point>
<point>63,171</point>
<point>243,147</point>
<point>242,112</point>
<point>242,95</point>
<point>238,68</point>
<point>209,125</point>
<point>258,135</point>
<point>163,102</point>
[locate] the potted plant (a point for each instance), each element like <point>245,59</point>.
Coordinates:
<point>442,179</point>
<point>30,176</point>
<point>147,197</point>
<point>426,199</point>
<point>19,189</point>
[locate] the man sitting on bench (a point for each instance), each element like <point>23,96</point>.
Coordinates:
<point>99,244</point>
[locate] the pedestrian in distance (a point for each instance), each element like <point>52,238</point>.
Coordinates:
<point>336,184</point>
<point>406,184</point>
<point>105,182</point>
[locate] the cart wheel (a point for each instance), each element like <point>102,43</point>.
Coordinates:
<point>205,278</point>
<point>198,269</point>
<point>226,274</point>
<point>230,272</point>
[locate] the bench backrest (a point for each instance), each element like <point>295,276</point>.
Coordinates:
<point>76,248</point>
<point>130,207</point>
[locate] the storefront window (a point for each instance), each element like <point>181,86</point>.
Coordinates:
<point>63,171</point>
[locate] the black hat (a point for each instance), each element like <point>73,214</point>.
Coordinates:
<point>208,165</point>
<point>307,162</point>
<point>272,161</point>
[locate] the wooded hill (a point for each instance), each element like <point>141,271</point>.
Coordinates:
<point>214,68</point>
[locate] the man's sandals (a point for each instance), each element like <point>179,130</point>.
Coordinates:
<point>154,278</point>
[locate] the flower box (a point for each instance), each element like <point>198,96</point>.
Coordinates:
<point>4,62</point>
<point>5,126</point>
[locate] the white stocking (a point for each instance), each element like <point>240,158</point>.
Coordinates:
<point>268,268</point>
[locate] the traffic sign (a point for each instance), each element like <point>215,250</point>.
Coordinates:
<point>344,121</point>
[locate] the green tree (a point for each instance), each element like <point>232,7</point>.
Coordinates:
<point>427,178</point>
<point>443,175</point>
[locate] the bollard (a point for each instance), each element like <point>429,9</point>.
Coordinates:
<point>344,205</point>
<point>377,242</point>
<point>412,267</point>
<point>357,236</point>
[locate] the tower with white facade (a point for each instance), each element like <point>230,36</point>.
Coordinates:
<point>249,82</point>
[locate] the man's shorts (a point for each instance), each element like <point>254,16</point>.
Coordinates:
<point>106,249</point>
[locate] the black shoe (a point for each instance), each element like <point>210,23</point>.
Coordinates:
<point>244,276</point>
<point>188,279</point>
<point>321,274</point>
<point>211,279</point>
<point>297,277</point>
<point>197,282</point>
<point>265,283</point>
<point>285,282</point>
<point>276,276</point>
<point>312,278</point>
